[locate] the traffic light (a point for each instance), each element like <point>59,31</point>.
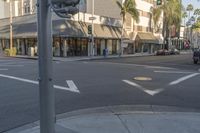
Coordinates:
<point>159,2</point>
<point>65,8</point>
<point>66,2</point>
<point>89,29</point>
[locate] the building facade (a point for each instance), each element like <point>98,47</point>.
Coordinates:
<point>70,36</point>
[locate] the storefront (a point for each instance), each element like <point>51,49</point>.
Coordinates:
<point>146,42</point>
<point>70,38</point>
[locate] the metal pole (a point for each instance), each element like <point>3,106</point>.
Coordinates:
<point>92,50</point>
<point>11,21</point>
<point>47,92</point>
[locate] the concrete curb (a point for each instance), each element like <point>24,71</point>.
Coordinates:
<point>114,110</point>
<point>63,59</point>
<point>68,59</point>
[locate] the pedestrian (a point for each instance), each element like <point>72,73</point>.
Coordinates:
<point>104,52</point>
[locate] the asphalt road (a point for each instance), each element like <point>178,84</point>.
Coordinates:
<point>174,82</point>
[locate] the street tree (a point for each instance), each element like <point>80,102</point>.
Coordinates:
<point>171,10</point>
<point>155,16</point>
<point>184,16</point>
<point>127,7</point>
<point>189,9</point>
<point>198,19</point>
<point>196,12</point>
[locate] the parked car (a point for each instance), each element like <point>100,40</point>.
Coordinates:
<point>174,51</point>
<point>162,52</point>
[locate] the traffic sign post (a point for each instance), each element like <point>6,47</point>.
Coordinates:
<point>64,8</point>
<point>47,94</point>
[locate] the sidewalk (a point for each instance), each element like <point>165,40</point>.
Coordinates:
<point>124,119</point>
<point>84,58</point>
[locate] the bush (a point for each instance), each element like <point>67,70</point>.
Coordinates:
<point>10,52</point>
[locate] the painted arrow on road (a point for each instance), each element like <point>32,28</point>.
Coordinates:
<point>71,86</point>
<point>150,92</point>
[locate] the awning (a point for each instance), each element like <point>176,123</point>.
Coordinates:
<point>61,27</point>
<point>146,37</point>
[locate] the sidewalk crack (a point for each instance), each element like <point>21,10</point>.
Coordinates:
<point>123,123</point>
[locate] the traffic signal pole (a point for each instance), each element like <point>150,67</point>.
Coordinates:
<point>93,45</point>
<point>47,93</point>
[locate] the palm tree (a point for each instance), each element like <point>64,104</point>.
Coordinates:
<point>127,7</point>
<point>189,8</point>
<point>171,16</point>
<point>184,16</point>
<point>155,17</point>
<point>198,19</point>
<point>196,12</point>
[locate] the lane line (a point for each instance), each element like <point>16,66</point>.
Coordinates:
<point>150,92</point>
<point>11,65</point>
<point>173,72</point>
<point>136,65</point>
<point>71,88</point>
<point>3,69</point>
<point>159,67</point>
<point>183,79</point>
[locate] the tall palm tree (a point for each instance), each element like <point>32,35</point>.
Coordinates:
<point>198,19</point>
<point>171,15</point>
<point>189,8</point>
<point>184,16</point>
<point>155,17</point>
<point>196,12</point>
<point>127,7</point>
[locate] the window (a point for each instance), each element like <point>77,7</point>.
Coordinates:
<point>139,28</point>
<point>27,8</point>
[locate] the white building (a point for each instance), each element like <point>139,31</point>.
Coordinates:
<point>106,30</point>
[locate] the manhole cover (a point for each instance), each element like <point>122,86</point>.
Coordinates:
<point>143,78</point>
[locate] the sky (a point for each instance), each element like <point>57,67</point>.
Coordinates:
<point>195,3</point>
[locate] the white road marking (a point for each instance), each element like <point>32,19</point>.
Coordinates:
<point>137,65</point>
<point>150,92</point>
<point>11,65</point>
<point>72,86</point>
<point>19,64</point>
<point>173,72</point>
<point>183,79</point>
<point>3,69</point>
<point>158,67</point>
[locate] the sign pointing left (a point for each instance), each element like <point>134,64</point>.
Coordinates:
<point>71,86</point>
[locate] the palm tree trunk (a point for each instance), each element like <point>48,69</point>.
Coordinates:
<point>169,37</point>
<point>164,32</point>
<point>121,40</point>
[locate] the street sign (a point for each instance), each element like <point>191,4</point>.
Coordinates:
<point>92,18</point>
